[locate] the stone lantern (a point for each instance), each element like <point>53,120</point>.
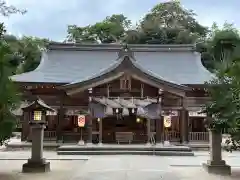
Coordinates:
<point>38,110</point>
<point>216,164</point>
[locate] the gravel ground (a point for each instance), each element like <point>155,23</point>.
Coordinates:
<point>116,167</point>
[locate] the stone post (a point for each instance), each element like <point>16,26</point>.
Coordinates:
<point>37,163</point>
<point>216,164</point>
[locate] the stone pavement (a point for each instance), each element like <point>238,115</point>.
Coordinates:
<point>116,167</point>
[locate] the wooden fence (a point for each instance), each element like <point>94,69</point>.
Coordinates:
<point>199,136</point>
<point>171,136</point>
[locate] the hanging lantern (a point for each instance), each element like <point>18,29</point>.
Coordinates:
<point>167,121</point>
<point>81,120</point>
<point>138,120</point>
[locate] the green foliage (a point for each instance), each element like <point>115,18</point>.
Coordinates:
<point>9,98</point>
<point>219,46</point>
<point>224,89</point>
<point>26,52</point>
<point>166,23</point>
<point>172,15</point>
<point>29,53</point>
<point>7,10</point>
<point>110,30</point>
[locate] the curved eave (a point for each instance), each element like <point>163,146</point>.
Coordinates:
<point>129,66</point>
<point>158,78</point>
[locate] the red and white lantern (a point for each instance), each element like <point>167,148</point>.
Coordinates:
<point>81,120</point>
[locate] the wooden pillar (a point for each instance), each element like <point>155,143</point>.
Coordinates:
<point>159,122</point>
<point>184,126</point>
<point>89,141</point>
<point>184,122</point>
<point>159,130</point>
<point>100,123</point>
<point>25,126</point>
<point>89,130</point>
<point>60,114</point>
<point>148,131</point>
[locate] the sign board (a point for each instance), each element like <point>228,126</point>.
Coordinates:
<point>196,114</point>
<point>167,121</point>
<point>81,120</point>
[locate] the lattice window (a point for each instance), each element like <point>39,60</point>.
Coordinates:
<point>125,83</point>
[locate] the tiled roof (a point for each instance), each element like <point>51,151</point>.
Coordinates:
<point>67,64</point>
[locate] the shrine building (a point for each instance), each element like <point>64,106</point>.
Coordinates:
<point>127,93</point>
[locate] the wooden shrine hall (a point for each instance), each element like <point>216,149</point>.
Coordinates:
<point>124,91</point>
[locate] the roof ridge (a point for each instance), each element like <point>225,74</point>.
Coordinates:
<point>117,47</point>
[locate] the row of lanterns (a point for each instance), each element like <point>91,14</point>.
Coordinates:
<point>167,121</point>
<point>37,116</point>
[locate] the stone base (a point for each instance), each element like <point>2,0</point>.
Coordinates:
<point>36,167</point>
<point>148,144</point>
<point>81,143</point>
<point>220,167</point>
<point>166,143</point>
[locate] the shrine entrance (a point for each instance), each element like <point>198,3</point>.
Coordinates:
<point>128,129</point>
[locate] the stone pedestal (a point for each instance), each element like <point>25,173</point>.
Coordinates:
<point>216,164</point>
<point>36,166</point>
<point>36,163</point>
<point>81,143</point>
<point>166,143</point>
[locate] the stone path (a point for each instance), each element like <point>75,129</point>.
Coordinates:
<point>116,167</point>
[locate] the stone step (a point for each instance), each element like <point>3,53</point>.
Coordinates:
<point>139,149</point>
<point>123,152</point>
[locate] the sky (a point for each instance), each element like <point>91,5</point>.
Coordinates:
<point>50,18</point>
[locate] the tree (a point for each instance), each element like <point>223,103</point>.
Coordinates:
<point>111,29</point>
<point>170,23</point>
<point>29,53</point>
<point>224,107</point>
<point>166,23</point>
<point>222,40</point>
<point>9,97</point>
<point>7,10</point>
<point>224,89</point>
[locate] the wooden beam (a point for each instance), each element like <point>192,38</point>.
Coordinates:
<point>180,93</point>
<point>107,80</point>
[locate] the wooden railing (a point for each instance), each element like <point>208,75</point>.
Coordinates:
<point>138,137</point>
<point>172,136</point>
<point>199,136</point>
<point>50,135</point>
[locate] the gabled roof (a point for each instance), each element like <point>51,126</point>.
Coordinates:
<point>38,103</point>
<point>69,63</point>
<point>126,64</point>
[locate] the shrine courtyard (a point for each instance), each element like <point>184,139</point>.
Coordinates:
<point>117,167</point>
